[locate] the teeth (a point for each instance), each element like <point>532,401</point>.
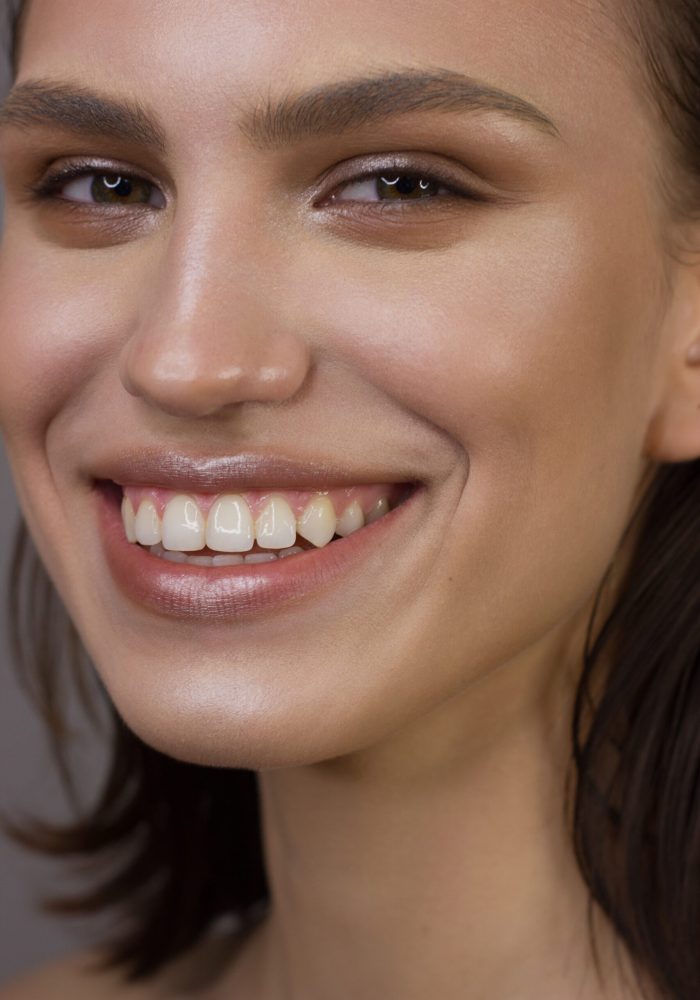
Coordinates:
<point>380,508</point>
<point>317,523</point>
<point>183,525</point>
<point>350,520</point>
<point>230,525</point>
<point>226,560</point>
<point>276,527</point>
<point>294,551</point>
<point>177,557</point>
<point>129,519</point>
<point>222,560</point>
<point>147,524</point>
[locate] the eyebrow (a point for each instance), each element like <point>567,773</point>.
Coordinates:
<point>77,109</point>
<point>340,107</point>
<point>329,109</point>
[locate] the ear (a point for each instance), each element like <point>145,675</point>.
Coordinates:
<point>673,434</point>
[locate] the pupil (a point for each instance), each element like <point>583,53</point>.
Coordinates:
<point>399,186</point>
<point>406,185</point>
<point>122,186</point>
<point>112,188</point>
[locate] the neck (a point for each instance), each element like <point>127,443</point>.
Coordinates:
<point>436,864</point>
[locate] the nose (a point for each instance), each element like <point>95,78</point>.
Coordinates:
<point>212,334</point>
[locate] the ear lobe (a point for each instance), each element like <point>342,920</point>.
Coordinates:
<point>673,434</point>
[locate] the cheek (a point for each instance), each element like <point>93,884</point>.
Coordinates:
<point>530,348</point>
<point>55,319</point>
<point>535,335</point>
<point>535,325</point>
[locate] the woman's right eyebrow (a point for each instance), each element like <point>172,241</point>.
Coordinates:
<point>77,109</point>
<point>329,109</point>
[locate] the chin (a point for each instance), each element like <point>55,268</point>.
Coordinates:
<point>232,722</point>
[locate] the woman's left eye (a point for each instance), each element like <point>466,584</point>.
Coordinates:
<point>392,186</point>
<point>103,188</point>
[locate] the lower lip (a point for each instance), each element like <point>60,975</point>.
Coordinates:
<point>222,593</point>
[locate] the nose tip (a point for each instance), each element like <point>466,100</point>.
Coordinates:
<point>199,382</point>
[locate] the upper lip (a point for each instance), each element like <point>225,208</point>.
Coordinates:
<point>245,470</point>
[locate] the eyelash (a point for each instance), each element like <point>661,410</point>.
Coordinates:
<point>46,189</point>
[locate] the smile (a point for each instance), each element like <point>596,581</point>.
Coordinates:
<point>217,540</point>
<point>256,526</point>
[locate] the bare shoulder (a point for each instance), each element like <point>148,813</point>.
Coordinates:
<point>73,978</point>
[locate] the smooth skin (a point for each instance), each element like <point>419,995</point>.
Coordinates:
<point>524,357</point>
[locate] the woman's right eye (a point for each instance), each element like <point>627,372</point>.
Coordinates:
<point>105,188</point>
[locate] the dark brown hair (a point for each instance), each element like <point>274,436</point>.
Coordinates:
<point>173,846</point>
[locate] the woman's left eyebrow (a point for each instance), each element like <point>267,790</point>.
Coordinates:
<point>341,106</point>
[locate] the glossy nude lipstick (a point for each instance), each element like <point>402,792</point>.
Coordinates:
<point>227,592</point>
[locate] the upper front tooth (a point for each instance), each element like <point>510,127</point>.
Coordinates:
<point>183,525</point>
<point>129,519</point>
<point>352,519</point>
<point>276,526</point>
<point>230,525</point>
<point>317,523</point>
<point>147,524</point>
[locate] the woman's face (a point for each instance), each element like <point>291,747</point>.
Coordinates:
<point>260,294</point>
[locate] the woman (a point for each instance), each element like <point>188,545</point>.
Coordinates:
<point>350,387</point>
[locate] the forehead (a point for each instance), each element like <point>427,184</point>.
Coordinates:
<point>195,63</point>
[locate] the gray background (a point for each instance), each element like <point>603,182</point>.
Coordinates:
<point>29,785</point>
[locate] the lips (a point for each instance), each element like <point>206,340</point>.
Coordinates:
<point>229,592</point>
<point>236,473</point>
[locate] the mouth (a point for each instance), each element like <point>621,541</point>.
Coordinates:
<point>228,529</point>
<point>222,553</point>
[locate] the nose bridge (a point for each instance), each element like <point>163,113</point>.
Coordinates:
<point>209,333</point>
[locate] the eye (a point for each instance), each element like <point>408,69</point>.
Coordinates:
<point>390,185</point>
<point>91,187</point>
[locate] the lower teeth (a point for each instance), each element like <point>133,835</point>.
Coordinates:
<point>228,559</point>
